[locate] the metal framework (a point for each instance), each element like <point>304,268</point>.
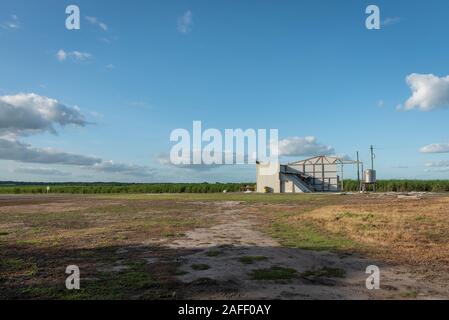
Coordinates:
<point>321,162</point>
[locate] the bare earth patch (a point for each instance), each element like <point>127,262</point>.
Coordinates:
<point>230,246</point>
<point>236,238</point>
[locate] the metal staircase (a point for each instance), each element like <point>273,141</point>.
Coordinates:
<point>299,181</point>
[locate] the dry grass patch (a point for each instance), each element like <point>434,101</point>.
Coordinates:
<point>396,230</point>
<point>404,231</point>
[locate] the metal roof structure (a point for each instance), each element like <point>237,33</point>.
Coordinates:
<point>323,160</point>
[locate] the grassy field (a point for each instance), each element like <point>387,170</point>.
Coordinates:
<point>201,188</point>
<point>124,244</point>
<point>117,188</point>
<point>412,231</point>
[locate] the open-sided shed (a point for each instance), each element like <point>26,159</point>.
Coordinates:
<point>317,174</point>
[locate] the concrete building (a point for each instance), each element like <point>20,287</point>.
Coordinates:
<point>317,174</point>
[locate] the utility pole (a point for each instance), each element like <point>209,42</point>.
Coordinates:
<point>358,168</point>
<point>362,185</point>
<point>372,157</point>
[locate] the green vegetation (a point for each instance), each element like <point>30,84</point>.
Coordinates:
<point>128,188</point>
<point>17,266</point>
<point>200,266</point>
<point>105,285</point>
<point>403,185</point>
<point>251,259</point>
<point>213,253</point>
<point>306,236</point>
<point>274,273</point>
<point>326,272</point>
<point>409,294</point>
<point>104,188</point>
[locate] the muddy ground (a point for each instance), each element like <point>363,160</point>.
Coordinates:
<point>218,247</point>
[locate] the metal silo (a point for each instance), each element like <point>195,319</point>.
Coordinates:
<point>369,176</point>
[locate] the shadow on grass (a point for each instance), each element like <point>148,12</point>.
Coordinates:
<point>150,272</point>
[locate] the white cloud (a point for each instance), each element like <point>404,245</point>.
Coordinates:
<point>343,156</point>
<point>63,55</point>
<point>103,26</point>
<point>123,168</point>
<point>22,152</point>
<point>303,146</point>
<point>185,22</point>
<point>96,114</point>
<point>108,39</point>
<point>12,24</point>
<point>42,171</point>
<point>437,170</point>
<point>390,21</point>
<point>435,148</point>
<point>429,92</point>
<point>97,22</point>
<point>438,164</point>
<point>28,113</point>
<point>80,55</point>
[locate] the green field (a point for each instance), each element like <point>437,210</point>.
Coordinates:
<point>104,188</point>
<point>404,185</point>
<point>115,188</point>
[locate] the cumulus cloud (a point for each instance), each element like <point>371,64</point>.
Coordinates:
<point>25,114</point>
<point>123,168</point>
<point>303,147</point>
<point>185,22</point>
<point>41,171</point>
<point>435,148</point>
<point>28,114</point>
<point>429,92</point>
<point>63,55</point>
<point>97,22</point>
<point>22,152</point>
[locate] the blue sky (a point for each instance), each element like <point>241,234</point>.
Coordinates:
<point>137,70</point>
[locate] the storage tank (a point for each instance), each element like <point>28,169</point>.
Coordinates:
<point>370,176</point>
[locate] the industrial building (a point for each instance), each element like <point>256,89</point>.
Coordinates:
<point>317,174</point>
